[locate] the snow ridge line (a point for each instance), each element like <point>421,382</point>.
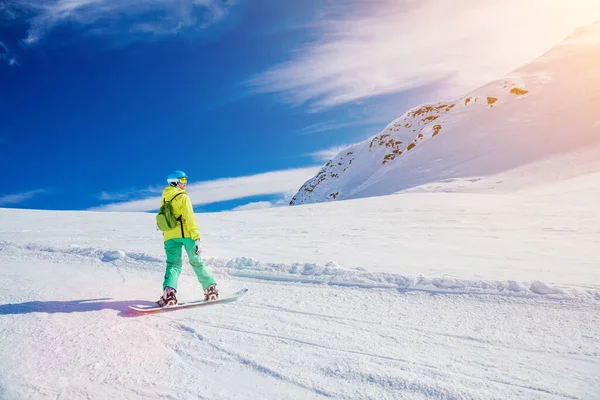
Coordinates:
<point>332,274</point>
<point>310,273</point>
<point>102,255</point>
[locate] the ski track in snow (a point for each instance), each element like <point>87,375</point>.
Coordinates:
<point>353,342</point>
<point>305,343</point>
<point>262,369</point>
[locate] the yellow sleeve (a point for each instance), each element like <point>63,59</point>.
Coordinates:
<point>189,219</point>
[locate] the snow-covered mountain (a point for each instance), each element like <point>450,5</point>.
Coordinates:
<point>545,109</point>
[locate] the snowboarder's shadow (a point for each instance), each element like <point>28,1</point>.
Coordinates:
<point>73,306</point>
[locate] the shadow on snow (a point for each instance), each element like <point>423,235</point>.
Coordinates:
<point>73,306</point>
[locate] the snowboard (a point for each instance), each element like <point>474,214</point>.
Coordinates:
<point>189,304</point>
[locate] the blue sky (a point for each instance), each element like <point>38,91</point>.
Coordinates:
<point>101,99</point>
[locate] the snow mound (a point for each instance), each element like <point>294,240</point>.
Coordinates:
<point>112,255</point>
<point>332,274</point>
<point>58,254</point>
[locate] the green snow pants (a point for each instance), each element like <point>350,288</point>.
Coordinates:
<point>173,250</point>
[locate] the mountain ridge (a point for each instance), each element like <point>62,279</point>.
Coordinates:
<point>528,102</point>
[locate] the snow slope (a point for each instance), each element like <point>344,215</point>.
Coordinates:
<point>410,296</point>
<point>538,114</point>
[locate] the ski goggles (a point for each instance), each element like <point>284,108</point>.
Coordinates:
<point>183,180</point>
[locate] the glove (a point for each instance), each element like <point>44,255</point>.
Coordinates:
<point>198,247</point>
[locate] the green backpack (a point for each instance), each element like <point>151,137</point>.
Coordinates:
<point>165,219</point>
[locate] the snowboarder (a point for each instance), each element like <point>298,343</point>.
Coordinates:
<point>184,233</point>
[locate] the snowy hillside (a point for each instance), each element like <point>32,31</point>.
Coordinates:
<point>412,296</point>
<point>473,283</point>
<point>545,109</point>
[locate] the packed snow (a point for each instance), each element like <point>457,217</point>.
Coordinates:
<point>474,273</point>
<point>410,296</point>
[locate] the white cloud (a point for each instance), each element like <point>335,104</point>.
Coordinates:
<point>19,197</point>
<point>105,196</point>
<point>160,17</point>
<point>282,201</point>
<point>371,48</point>
<point>326,154</point>
<point>269,183</point>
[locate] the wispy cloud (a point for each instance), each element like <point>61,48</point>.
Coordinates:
<point>6,55</point>
<point>326,154</point>
<point>334,126</point>
<point>372,47</point>
<point>19,197</point>
<point>128,194</point>
<point>277,182</point>
<point>156,17</point>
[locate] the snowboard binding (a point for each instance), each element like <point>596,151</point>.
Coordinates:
<point>168,298</point>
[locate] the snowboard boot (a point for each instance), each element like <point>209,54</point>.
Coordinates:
<point>211,293</point>
<point>168,298</point>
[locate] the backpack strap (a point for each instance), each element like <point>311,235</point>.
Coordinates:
<point>173,198</point>
<point>179,218</point>
<point>181,224</point>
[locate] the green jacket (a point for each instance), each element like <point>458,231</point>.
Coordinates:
<point>182,205</point>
